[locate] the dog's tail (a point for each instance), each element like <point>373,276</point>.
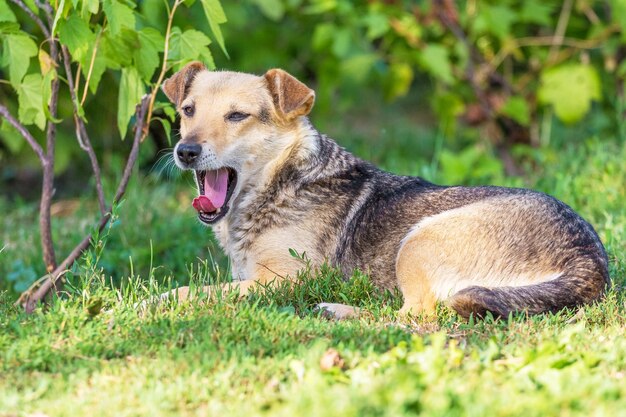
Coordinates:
<point>570,289</point>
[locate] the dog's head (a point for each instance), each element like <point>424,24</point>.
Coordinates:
<point>231,124</point>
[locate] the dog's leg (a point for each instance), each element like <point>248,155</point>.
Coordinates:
<point>412,271</point>
<point>263,276</point>
<point>240,287</point>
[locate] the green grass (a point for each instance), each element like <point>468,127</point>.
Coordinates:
<point>261,356</point>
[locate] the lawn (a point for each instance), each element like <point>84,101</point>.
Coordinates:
<point>92,353</point>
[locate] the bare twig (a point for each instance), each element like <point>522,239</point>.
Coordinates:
<point>561,27</point>
<point>29,299</point>
<point>81,132</point>
<point>24,132</point>
<point>166,50</point>
<point>47,8</point>
<point>47,188</point>
<point>549,41</point>
<point>140,132</point>
<point>33,16</point>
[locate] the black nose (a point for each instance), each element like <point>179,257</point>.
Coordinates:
<point>188,153</point>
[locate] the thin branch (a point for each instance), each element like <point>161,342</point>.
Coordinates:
<point>140,133</point>
<point>166,50</point>
<point>561,27</point>
<point>47,8</point>
<point>81,132</point>
<point>33,16</point>
<point>24,132</point>
<point>77,78</point>
<point>29,299</point>
<point>547,41</point>
<point>47,187</point>
<point>591,15</point>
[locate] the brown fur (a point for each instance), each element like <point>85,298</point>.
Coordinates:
<point>481,249</point>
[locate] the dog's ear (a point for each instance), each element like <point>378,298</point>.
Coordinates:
<point>291,97</point>
<point>177,86</point>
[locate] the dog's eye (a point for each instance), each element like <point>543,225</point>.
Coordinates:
<point>188,110</point>
<point>236,116</point>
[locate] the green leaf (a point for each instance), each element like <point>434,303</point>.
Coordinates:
<point>9,28</point>
<point>536,11</point>
<point>356,68</point>
<point>436,60</point>
<point>320,6</point>
<point>57,16</point>
<point>147,55</point>
<point>471,162</point>
<point>448,105</point>
<point>168,109</point>
<point>89,7</point>
<point>119,50</point>
<point>99,66</point>
<point>16,53</point>
<point>398,81</point>
<point>323,36</point>
<point>11,137</point>
<point>74,32</point>
<point>131,91</point>
<point>496,20</point>
<point>46,94</point>
<point>272,9</point>
<point>29,95</point>
<point>342,42</point>
<point>517,109</point>
<point>215,15</point>
<point>45,62</point>
<point>570,88</point>
<point>187,46</point>
<point>377,25</point>
<point>618,13</point>
<point>32,5</point>
<point>6,14</point>
<point>207,57</point>
<point>119,16</point>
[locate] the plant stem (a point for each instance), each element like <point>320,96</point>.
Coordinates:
<point>81,132</point>
<point>33,16</point>
<point>561,27</point>
<point>166,49</point>
<point>47,188</point>
<point>38,291</point>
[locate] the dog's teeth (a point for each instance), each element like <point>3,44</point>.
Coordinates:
<point>218,210</point>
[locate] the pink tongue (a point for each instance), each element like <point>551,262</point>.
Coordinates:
<point>215,187</point>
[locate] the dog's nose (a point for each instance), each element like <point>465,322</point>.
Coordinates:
<point>188,153</point>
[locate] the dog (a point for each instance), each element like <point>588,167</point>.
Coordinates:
<point>269,182</point>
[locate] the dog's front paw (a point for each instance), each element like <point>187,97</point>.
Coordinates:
<point>337,311</point>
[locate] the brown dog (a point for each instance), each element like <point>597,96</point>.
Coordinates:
<point>268,181</point>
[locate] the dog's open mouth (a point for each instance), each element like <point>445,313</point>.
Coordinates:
<point>215,188</point>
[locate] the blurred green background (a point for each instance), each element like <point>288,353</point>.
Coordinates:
<point>517,93</point>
